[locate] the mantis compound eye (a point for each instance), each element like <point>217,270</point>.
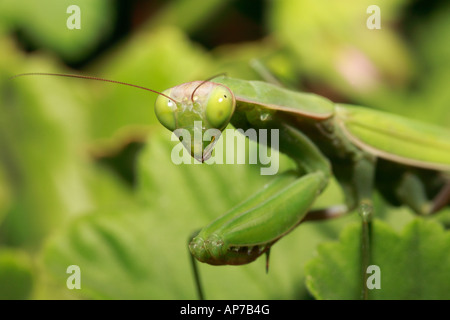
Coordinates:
<point>220,107</point>
<point>165,112</point>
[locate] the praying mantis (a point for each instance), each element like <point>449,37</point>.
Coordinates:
<point>407,161</point>
<point>364,149</point>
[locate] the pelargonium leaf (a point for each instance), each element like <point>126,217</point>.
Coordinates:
<point>413,264</point>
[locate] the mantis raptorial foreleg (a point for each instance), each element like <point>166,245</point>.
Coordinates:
<point>250,229</point>
<point>279,183</point>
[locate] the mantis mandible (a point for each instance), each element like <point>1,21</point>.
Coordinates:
<point>407,161</point>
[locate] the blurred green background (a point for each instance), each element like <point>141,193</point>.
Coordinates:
<point>85,172</point>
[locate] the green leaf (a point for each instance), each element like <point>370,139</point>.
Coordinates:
<point>5,195</point>
<point>141,252</point>
<point>39,142</point>
<point>44,23</point>
<point>16,277</point>
<point>188,15</point>
<point>45,172</point>
<point>413,264</point>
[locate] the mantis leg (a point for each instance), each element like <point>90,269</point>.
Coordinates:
<point>332,212</point>
<point>264,72</point>
<point>251,228</point>
<point>357,181</point>
<point>442,198</point>
<point>279,185</point>
<point>412,192</point>
<point>357,178</point>
<point>195,272</point>
<point>364,174</point>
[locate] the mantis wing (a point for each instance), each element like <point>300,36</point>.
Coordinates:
<point>395,138</point>
<point>385,135</point>
<point>258,93</point>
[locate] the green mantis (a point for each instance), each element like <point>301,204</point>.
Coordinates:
<point>405,160</point>
<point>362,148</point>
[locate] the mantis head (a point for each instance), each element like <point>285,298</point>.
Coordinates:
<point>197,112</point>
<point>194,111</point>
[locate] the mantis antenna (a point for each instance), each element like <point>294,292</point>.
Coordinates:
<point>204,81</point>
<point>90,78</point>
